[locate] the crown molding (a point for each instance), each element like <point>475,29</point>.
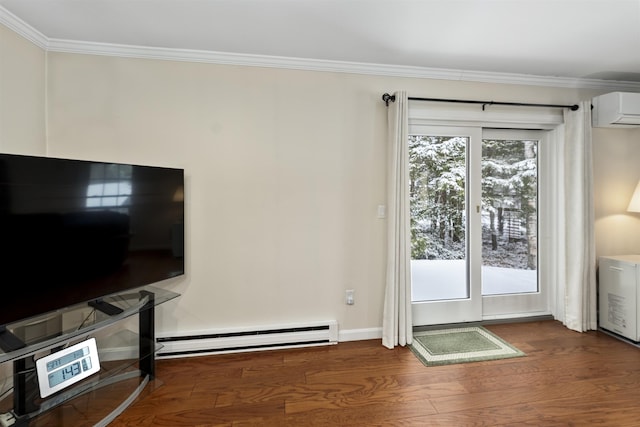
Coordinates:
<point>20,27</point>
<point>187,55</point>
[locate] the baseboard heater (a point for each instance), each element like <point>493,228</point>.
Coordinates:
<point>248,339</point>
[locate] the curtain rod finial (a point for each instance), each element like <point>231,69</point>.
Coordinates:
<point>575,107</point>
<point>386,98</point>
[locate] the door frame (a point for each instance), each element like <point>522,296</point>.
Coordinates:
<point>550,122</point>
<point>531,303</point>
<point>478,307</point>
<point>467,309</point>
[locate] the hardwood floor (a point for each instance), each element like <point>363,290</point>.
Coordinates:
<point>567,378</point>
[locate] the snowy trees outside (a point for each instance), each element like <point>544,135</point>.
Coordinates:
<point>509,200</point>
<point>437,197</point>
<point>509,203</point>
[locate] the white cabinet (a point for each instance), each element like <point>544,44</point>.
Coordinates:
<point>619,295</point>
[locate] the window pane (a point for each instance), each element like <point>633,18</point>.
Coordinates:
<point>109,201</point>
<point>124,188</point>
<point>509,216</point>
<point>111,189</point>
<point>93,202</point>
<point>438,217</point>
<point>94,190</point>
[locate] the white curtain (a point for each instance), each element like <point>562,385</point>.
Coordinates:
<point>575,303</point>
<point>396,322</point>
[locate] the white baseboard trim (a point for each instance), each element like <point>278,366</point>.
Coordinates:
<point>359,334</point>
<point>120,352</point>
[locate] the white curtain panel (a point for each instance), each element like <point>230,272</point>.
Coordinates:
<point>576,297</point>
<point>396,322</point>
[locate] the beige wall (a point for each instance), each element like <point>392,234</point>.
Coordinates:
<point>285,170</point>
<point>616,173</point>
<point>22,95</point>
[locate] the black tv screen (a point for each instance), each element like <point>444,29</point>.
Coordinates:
<point>73,231</point>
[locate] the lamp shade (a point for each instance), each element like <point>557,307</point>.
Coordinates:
<point>634,204</point>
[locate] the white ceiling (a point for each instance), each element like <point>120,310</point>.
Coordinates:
<point>592,39</point>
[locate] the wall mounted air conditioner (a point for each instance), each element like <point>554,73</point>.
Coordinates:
<point>616,109</point>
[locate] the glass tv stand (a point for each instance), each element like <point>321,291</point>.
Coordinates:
<point>125,344</point>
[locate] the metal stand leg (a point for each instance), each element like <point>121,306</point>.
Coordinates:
<point>24,386</point>
<point>147,336</point>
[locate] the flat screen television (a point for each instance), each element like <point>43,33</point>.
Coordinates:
<point>74,231</point>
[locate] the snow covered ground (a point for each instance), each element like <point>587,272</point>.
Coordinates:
<point>439,279</point>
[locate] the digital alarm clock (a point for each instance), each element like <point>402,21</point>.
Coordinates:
<point>68,366</point>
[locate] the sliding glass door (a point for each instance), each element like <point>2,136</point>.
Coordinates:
<point>474,224</point>
<point>512,162</point>
<point>445,224</point>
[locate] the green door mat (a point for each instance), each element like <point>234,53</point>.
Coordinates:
<point>460,345</point>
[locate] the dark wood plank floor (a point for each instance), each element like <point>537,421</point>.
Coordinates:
<point>566,379</point>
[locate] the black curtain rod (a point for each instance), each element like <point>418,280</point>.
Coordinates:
<point>391,98</point>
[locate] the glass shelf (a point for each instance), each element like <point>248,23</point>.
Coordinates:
<point>112,372</point>
<point>61,326</point>
<point>127,358</point>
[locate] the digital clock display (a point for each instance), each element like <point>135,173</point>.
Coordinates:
<point>68,358</point>
<point>66,367</point>
<point>69,371</point>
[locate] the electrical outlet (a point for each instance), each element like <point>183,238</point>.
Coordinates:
<point>349,297</point>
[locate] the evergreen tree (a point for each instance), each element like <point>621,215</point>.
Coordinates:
<point>509,194</point>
